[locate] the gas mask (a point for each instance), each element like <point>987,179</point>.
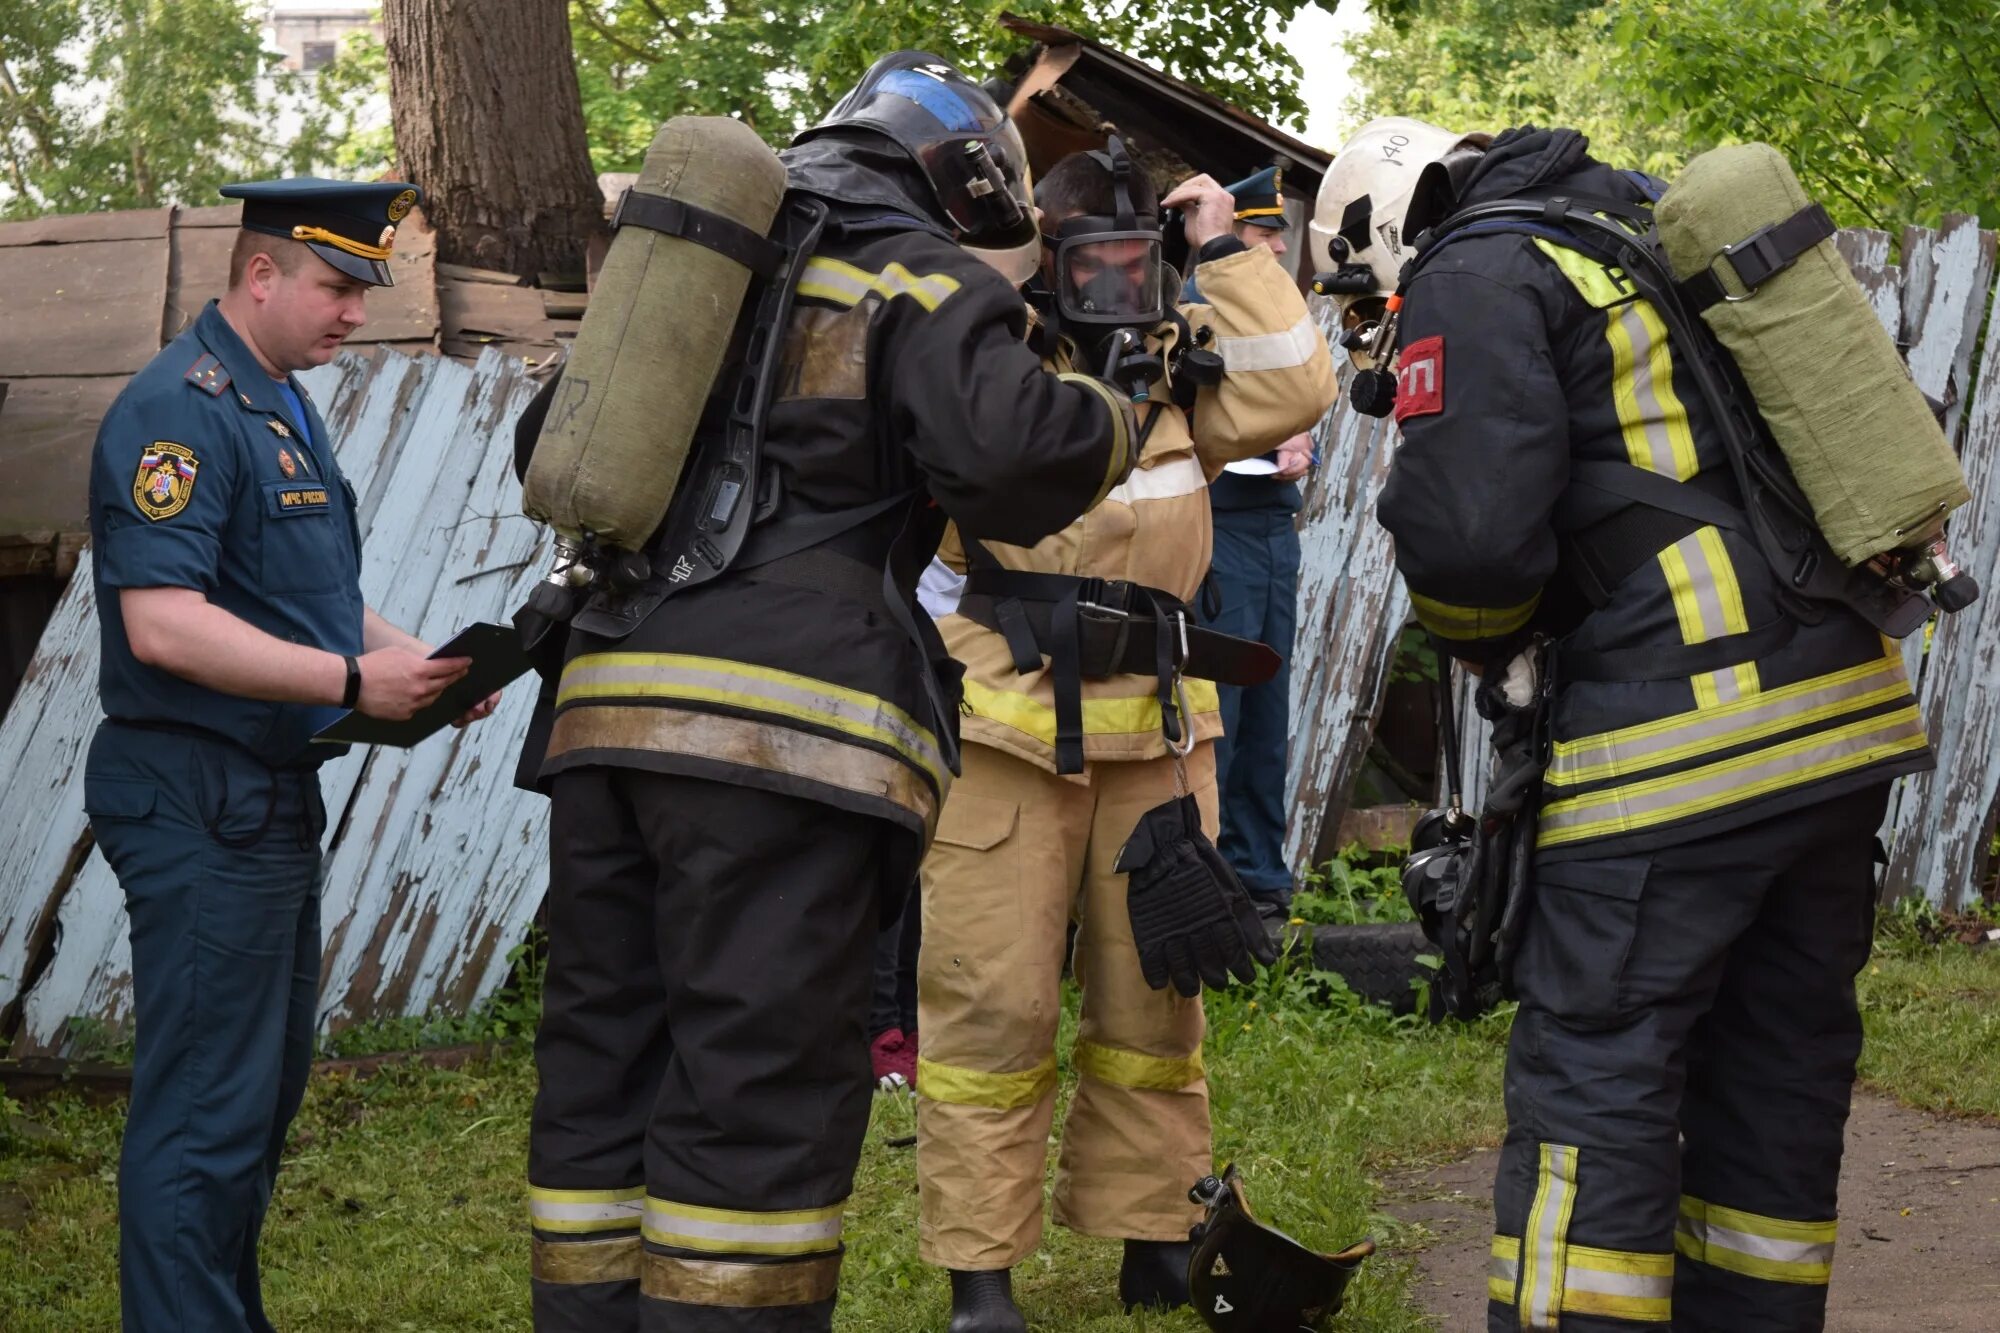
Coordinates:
<point>1107,269</point>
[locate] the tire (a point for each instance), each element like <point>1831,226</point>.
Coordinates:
<point>1378,963</point>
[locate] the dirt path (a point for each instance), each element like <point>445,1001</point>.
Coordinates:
<point>1919,1227</point>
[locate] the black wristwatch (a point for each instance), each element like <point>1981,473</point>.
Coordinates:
<point>352,694</point>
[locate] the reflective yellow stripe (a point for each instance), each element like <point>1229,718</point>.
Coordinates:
<point>580,1212</point>
<point>1130,1069</point>
<point>1669,740</point>
<point>1651,416</point>
<point>1599,285</point>
<point>758,689</point>
<point>1616,1284</point>
<point>1136,715</point>
<point>1119,461</point>
<point>1544,1250</point>
<point>844,284</point>
<point>1619,1284</point>
<point>1503,1273</point>
<point>1709,604</point>
<point>689,1226</point>
<point>975,1087</point>
<point>1465,623</point>
<point>1772,1248</point>
<point>1673,796</point>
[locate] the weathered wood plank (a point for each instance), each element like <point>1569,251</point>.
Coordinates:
<point>42,740</point>
<point>1946,274</point>
<point>1867,253</point>
<point>425,904</point>
<point>428,444</point>
<point>1941,818</point>
<point>1351,606</point>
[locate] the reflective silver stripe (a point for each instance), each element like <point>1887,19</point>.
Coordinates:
<point>1506,1268</point>
<point>716,680</point>
<point>1578,1278</point>
<point>583,1211</point>
<point>1769,1249</point>
<point>725,1231</point>
<point>1763,1247</point>
<point>1679,795</point>
<point>1652,417</point>
<point>627,1211</point>
<point>1542,1249</point>
<point>1170,480</point>
<point>1272,351</point>
<point>1635,749</point>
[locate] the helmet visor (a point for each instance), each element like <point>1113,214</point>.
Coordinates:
<point>1109,278</point>
<point>981,183</point>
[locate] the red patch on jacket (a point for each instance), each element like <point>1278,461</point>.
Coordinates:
<point>1420,379</point>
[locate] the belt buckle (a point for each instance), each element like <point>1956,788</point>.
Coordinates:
<point>1111,596</point>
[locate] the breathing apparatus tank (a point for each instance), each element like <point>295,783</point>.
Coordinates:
<point>1833,391</point>
<point>689,236</point>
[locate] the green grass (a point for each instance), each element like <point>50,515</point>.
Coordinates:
<point>400,1204</point>
<point>1931,1006</point>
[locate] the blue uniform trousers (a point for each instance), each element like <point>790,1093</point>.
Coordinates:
<point>218,855</point>
<point>1256,572</point>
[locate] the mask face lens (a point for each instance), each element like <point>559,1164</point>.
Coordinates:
<point>1110,279</point>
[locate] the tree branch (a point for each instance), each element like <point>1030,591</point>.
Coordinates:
<point>597,25</point>
<point>1971,76</point>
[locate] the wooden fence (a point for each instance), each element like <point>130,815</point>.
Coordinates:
<point>435,864</point>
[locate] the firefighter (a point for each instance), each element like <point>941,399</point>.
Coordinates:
<point>1061,763</point>
<point>743,786</point>
<point>1702,888</point>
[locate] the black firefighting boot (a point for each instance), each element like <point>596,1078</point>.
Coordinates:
<point>983,1302</point>
<point>1154,1274</point>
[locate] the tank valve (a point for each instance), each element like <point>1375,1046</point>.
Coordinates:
<point>1950,586</point>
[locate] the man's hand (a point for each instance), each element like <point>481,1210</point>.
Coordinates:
<point>396,683</point>
<point>1208,210</point>
<point>1295,458</point>
<point>484,708</point>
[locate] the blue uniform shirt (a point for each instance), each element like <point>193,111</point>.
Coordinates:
<point>199,480</point>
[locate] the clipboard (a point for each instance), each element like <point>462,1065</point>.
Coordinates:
<point>497,659</point>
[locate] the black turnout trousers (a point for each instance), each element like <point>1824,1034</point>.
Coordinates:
<point>704,1083</point>
<point>1678,1080</point>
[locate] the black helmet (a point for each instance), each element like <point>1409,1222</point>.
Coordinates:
<point>970,154</point>
<point>1245,1277</point>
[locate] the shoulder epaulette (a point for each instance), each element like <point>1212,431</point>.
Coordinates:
<point>208,375</point>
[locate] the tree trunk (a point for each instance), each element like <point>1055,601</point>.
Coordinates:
<point>489,121</point>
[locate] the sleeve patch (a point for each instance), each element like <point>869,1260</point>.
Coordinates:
<point>208,375</point>
<point>1420,379</point>
<point>165,481</point>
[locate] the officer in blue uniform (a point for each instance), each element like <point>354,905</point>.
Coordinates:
<point>1255,569</point>
<point>226,560</point>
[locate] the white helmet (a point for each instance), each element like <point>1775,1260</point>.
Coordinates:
<point>1360,224</point>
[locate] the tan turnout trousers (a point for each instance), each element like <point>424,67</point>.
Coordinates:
<point>1020,851</point>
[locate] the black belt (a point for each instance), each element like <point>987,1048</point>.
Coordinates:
<point>1091,628</point>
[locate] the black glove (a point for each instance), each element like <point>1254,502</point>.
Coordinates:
<point>1191,920</point>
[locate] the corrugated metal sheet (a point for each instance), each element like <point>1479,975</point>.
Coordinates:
<point>435,863</point>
